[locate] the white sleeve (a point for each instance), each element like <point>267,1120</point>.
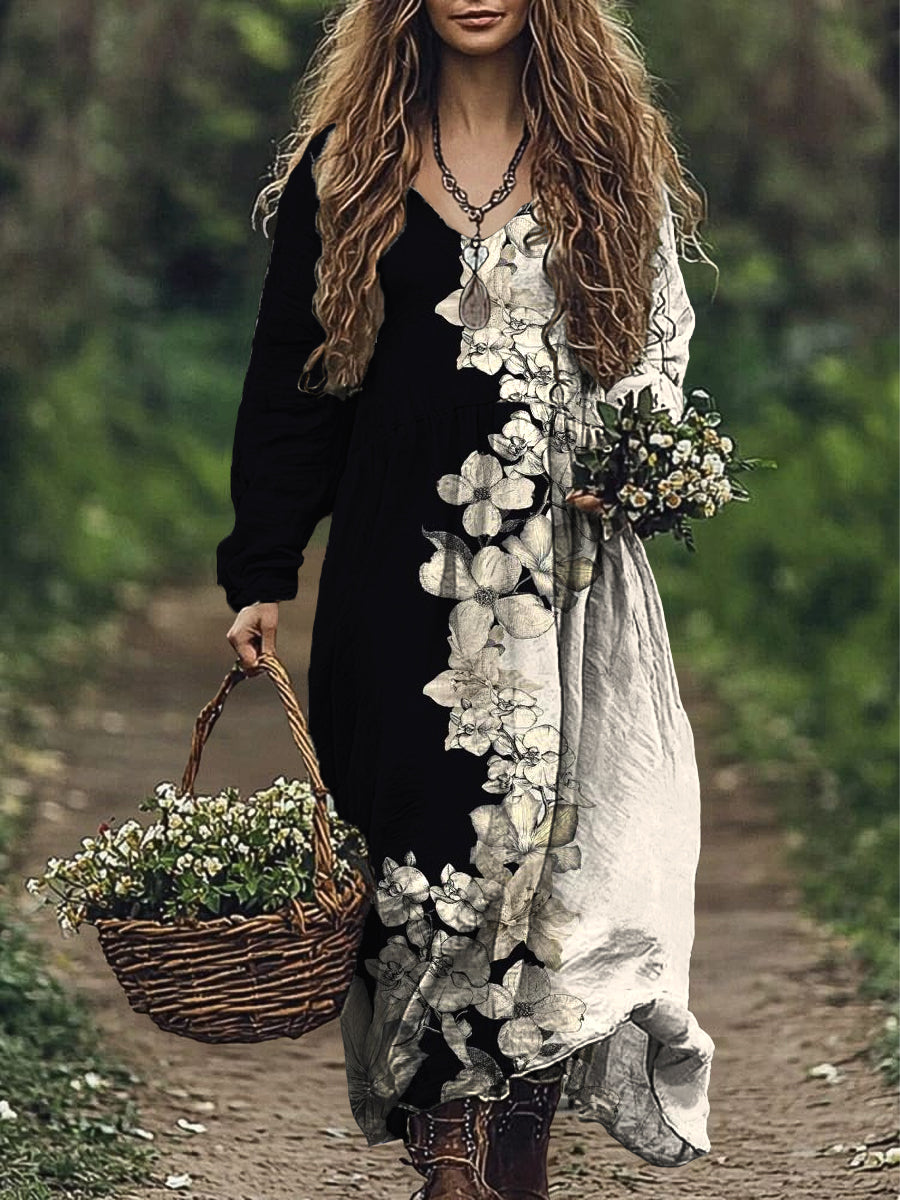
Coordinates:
<point>665,358</point>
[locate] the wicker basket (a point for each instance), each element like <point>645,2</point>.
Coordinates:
<point>235,979</point>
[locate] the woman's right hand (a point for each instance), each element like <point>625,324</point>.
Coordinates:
<point>253,631</point>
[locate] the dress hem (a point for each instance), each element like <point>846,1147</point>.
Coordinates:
<point>584,1114</point>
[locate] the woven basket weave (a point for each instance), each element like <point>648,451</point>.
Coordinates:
<point>233,979</point>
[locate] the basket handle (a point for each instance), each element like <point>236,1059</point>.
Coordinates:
<point>323,855</point>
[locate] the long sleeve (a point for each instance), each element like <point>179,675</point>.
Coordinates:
<point>665,358</point>
<point>289,446</point>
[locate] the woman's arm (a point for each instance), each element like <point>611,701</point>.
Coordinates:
<point>665,358</point>
<point>289,447</point>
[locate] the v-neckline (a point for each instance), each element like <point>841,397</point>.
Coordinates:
<point>486,237</point>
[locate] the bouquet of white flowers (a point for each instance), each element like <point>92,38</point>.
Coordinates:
<point>658,474</point>
<point>225,920</point>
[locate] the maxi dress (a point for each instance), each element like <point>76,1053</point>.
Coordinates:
<point>492,695</point>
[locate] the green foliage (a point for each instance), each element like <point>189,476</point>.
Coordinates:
<point>119,479</point>
<point>789,608</point>
<point>72,1130</point>
<point>785,111</point>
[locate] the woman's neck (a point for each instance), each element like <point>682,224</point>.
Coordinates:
<point>478,96</point>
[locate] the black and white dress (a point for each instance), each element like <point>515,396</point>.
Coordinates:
<point>492,695</point>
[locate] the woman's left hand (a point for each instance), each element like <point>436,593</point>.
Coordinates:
<point>584,500</point>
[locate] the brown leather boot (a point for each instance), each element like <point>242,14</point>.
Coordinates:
<point>519,1137</point>
<point>448,1145</point>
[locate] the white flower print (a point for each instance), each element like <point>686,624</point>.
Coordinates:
<point>536,1011</point>
<point>484,589</point>
<point>524,326</point>
<point>548,916</point>
<point>542,379</point>
<point>514,389</point>
<point>502,283</point>
<point>456,1031</point>
<point>499,774</point>
<point>541,750</point>
<point>481,1076</point>
<point>524,910</point>
<point>483,662</point>
<point>507,706</point>
<point>483,488</point>
<point>401,893</point>
<point>533,547</point>
<point>550,415</point>
<point>487,349</point>
<point>573,571</point>
<point>457,972</point>
<point>472,728</point>
<point>418,932</point>
<point>460,900</point>
<point>565,857</point>
<point>526,253</point>
<point>522,443</point>
<point>481,1073</point>
<point>518,709</point>
<point>458,684</point>
<point>528,285</point>
<point>522,824</point>
<point>505,902</point>
<point>397,969</point>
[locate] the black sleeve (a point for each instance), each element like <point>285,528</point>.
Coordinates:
<point>289,446</point>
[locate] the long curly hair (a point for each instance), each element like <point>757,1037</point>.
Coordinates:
<point>601,150</point>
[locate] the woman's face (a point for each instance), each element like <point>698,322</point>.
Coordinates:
<point>500,21</point>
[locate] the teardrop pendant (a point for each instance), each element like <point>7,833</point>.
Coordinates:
<point>474,304</point>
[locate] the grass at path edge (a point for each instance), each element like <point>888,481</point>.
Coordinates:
<point>67,1124</point>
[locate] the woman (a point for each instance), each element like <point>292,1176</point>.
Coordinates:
<point>475,242</point>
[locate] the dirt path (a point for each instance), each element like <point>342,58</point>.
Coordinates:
<point>278,1125</point>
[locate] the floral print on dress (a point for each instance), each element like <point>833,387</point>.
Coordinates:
<point>495,561</point>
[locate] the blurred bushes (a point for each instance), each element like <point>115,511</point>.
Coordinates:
<point>789,609</point>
